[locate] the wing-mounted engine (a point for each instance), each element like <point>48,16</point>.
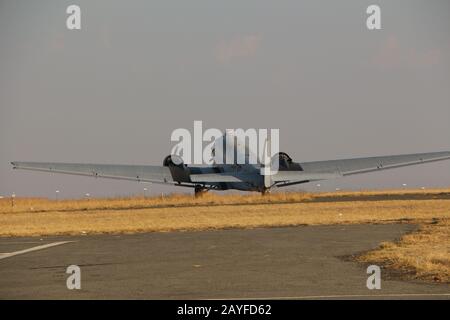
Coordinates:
<point>180,171</point>
<point>285,162</point>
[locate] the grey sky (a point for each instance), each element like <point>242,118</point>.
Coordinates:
<point>114,91</point>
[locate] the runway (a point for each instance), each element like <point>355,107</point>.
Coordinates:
<point>277,263</point>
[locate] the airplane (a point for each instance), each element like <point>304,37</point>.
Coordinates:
<point>244,177</point>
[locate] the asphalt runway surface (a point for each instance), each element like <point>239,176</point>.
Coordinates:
<point>306,262</point>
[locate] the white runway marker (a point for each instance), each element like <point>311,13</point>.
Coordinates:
<point>45,246</point>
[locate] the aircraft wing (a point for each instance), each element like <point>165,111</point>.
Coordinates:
<point>348,167</point>
<point>155,174</point>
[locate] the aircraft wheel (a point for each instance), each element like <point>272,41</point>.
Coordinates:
<point>200,191</point>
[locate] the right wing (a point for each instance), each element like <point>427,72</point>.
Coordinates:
<point>348,167</point>
<point>155,174</point>
<point>323,170</point>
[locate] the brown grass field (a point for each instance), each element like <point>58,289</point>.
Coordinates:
<point>424,254</point>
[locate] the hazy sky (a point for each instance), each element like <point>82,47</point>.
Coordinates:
<point>113,91</point>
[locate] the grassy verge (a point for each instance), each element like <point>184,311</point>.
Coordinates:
<point>95,221</point>
<point>29,205</point>
<point>424,254</point>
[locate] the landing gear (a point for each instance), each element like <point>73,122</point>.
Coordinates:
<point>200,191</point>
<point>265,192</point>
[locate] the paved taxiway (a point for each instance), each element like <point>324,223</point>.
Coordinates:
<point>293,262</point>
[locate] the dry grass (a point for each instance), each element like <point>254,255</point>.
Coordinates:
<point>24,205</point>
<point>30,217</point>
<point>219,217</point>
<point>425,252</point>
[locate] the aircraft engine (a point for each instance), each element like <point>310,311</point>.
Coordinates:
<point>180,172</point>
<point>173,160</point>
<point>285,162</point>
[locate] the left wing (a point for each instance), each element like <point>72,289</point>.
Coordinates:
<point>156,174</point>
